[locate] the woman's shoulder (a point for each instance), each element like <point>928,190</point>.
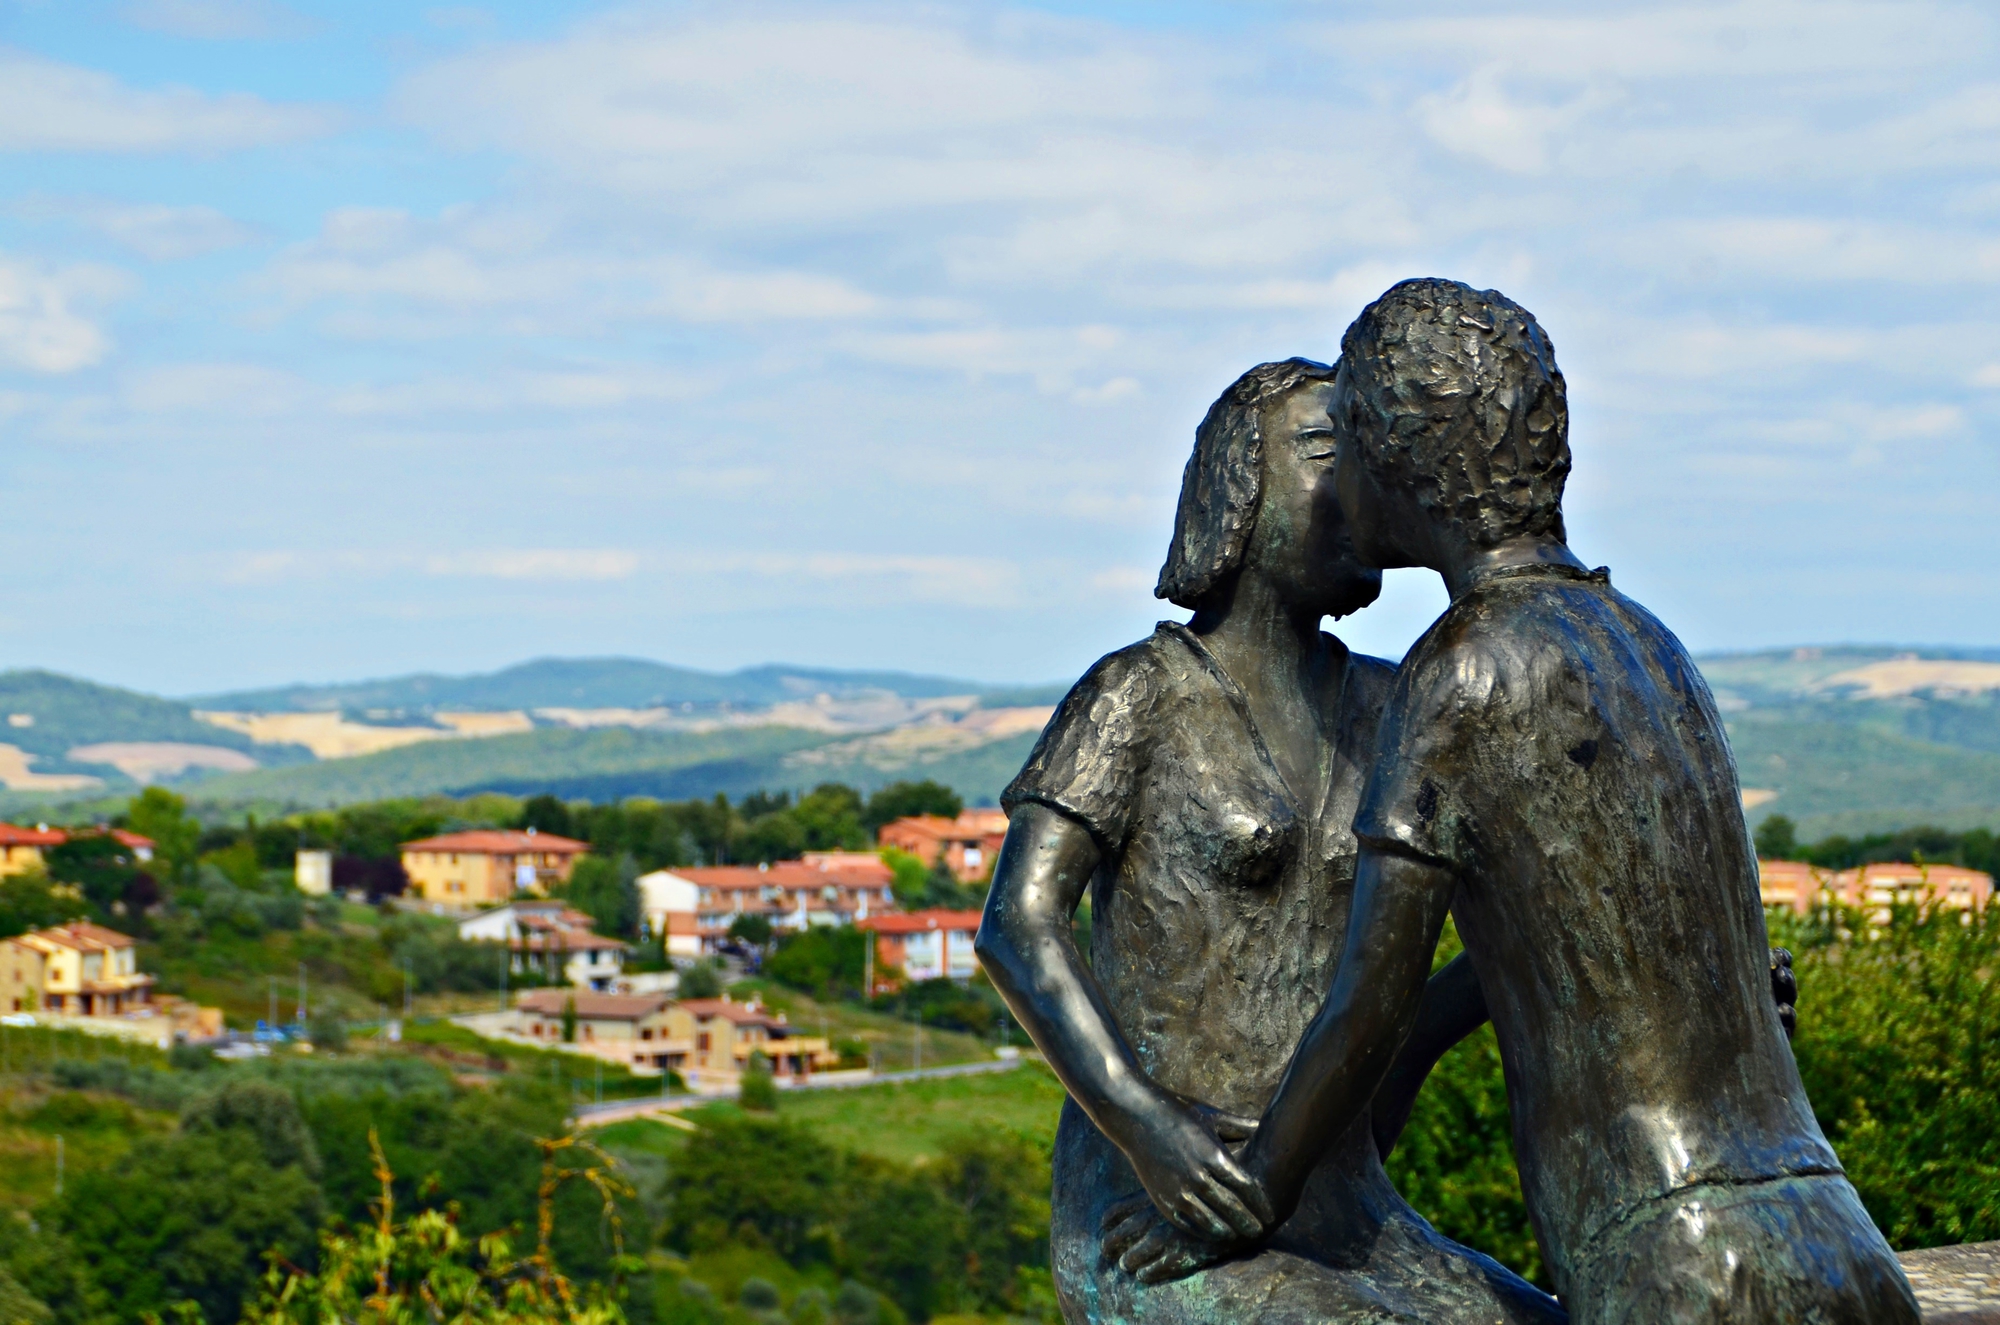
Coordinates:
<point>1138,672</point>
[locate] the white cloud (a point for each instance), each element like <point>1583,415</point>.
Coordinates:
<point>1481,118</point>
<point>519,564</point>
<point>41,327</point>
<point>224,389</point>
<point>218,20</point>
<point>536,564</point>
<point>48,106</point>
<point>152,230</point>
<point>392,273</point>
<point>568,389</point>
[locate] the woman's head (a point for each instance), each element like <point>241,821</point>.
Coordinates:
<point>1258,491</point>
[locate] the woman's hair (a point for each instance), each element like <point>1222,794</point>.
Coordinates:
<point>1458,399</point>
<point>1224,481</point>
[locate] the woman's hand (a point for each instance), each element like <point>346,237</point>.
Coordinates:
<point>1193,1180</point>
<point>1153,1251</point>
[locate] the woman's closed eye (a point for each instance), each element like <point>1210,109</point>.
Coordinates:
<point>1320,443</point>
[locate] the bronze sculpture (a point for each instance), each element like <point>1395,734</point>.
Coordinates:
<point>1201,785</point>
<point>1553,771</point>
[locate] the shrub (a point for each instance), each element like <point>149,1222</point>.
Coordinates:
<point>758,1091</point>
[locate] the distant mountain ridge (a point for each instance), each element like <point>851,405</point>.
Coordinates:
<point>1840,738</point>
<point>597,683</point>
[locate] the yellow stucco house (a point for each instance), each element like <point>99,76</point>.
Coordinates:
<point>81,969</point>
<point>486,866</point>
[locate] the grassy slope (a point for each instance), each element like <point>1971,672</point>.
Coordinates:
<point>1837,778</point>
<point>531,758</point>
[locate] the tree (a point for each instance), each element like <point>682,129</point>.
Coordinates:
<point>31,901</point>
<point>700,980</point>
<point>190,1218</point>
<point>899,800</point>
<point>1777,838</point>
<point>752,929</point>
<point>162,816</point>
<point>569,1020</point>
<point>909,878</point>
<point>426,1268</point>
<point>546,814</point>
<point>99,864</point>
<point>608,892</point>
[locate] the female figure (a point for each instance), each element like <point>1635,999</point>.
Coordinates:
<point>1201,784</point>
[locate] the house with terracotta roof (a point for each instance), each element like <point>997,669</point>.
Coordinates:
<point>647,1033</point>
<point>967,844</point>
<point>727,1033</point>
<point>926,945</point>
<point>1874,887</point>
<point>80,969</point>
<point>791,894</point>
<point>487,866</point>
<point>550,939</point>
<point>25,849</point>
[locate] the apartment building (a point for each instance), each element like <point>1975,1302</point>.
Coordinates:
<point>791,894</point>
<point>967,844</point>
<point>926,945</point>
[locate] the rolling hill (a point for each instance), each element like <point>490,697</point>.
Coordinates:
<point>1840,739</point>
<point>590,683</point>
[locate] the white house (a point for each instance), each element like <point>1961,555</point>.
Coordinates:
<point>315,872</point>
<point>550,938</point>
<point>667,905</point>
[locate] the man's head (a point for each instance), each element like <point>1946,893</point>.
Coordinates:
<point>1452,396</point>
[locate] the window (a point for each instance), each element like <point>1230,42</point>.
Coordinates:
<point>701,1041</point>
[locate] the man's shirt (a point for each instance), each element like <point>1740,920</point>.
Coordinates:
<point>1551,743</point>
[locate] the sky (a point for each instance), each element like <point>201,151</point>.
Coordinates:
<point>349,339</point>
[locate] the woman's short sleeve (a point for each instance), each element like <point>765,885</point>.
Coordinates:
<point>1091,757</point>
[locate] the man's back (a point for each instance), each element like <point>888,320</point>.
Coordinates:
<point>1553,743</point>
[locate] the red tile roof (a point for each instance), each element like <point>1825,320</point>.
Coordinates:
<point>603,1007</point>
<point>916,922</point>
<point>499,842</point>
<point>970,825</point>
<point>84,935</point>
<point>12,835</point>
<point>730,1010</point>
<point>860,867</point>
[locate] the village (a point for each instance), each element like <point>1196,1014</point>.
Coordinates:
<point>574,993</point>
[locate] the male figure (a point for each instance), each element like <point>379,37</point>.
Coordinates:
<point>1553,771</point>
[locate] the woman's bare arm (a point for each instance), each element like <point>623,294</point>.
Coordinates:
<point>1454,1007</point>
<point>1029,952</point>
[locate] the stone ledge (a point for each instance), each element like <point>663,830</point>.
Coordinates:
<point>1956,1285</point>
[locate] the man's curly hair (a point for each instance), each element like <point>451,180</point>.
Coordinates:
<point>1457,398</point>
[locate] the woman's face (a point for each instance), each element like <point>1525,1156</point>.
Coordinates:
<point>1301,540</point>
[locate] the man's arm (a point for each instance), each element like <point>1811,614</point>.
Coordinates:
<point>1029,952</point>
<point>1454,1006</point>
<point>1400,905</point>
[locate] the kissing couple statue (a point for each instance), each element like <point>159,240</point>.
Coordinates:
<point>1272,831</point>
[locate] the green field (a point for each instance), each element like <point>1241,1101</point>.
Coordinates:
<point>902,1121</point>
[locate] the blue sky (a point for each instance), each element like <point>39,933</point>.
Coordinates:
<point>344,340</point>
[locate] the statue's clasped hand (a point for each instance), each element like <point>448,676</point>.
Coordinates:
<point>1201,1204</point>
